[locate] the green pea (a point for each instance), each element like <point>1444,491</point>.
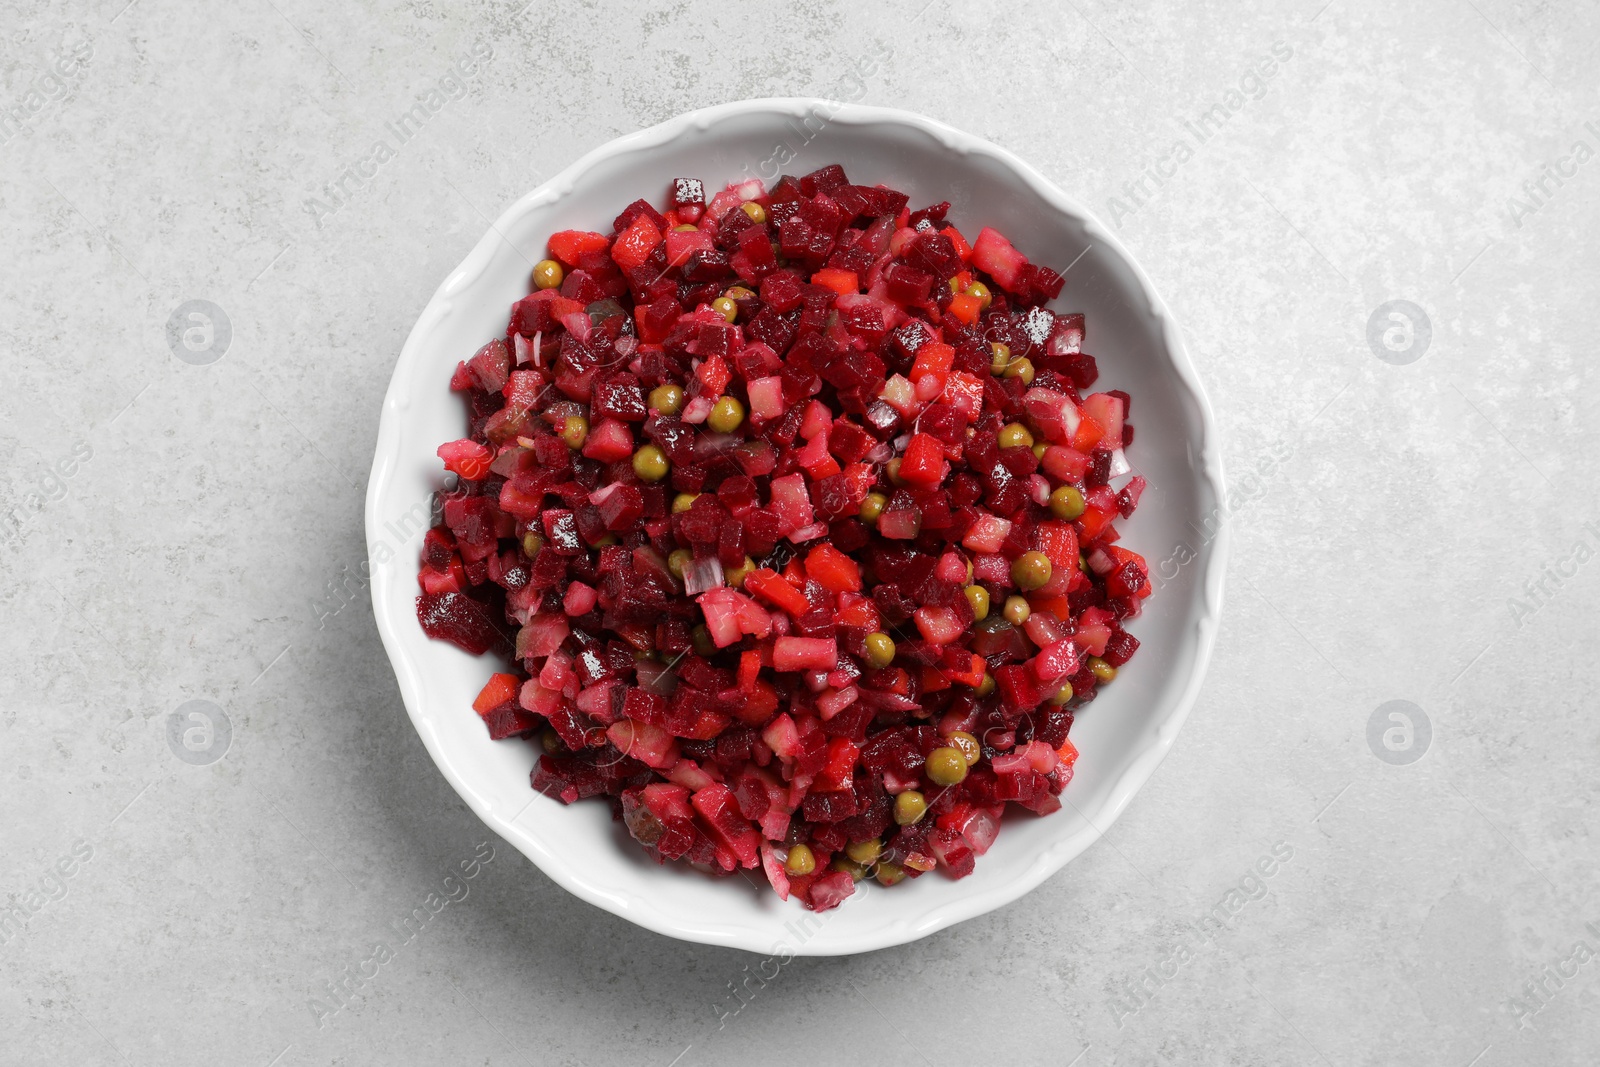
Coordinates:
<point>1066,502</point>
<point>737,575</point>
<point>946,766</point>
<point>1016,611</point>
<point>547,274</point>
<point>726,414</point>
<point>966,744</point>
<point>864,852</point>
<point>1015,435</point>
<point>1020,368</point>
<point>999,358</point>
<point>650,463</point>
<point>844,863</point>
<point>978,600</point>
<point>667,399</point>
<point>1031,570</point>
<point>909,807</point>
<point>701,638</point>
<point>801,860</point>
<point>880,649</point>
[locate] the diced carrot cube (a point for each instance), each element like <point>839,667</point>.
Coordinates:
<point>498,690</point>
<point>843,282</point>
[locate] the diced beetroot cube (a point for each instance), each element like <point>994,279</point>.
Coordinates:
<point>656,320</point>
<point>719,815</point>
<point>906,284</point>
<point>953,852</point>
<point>568,779</point>
<point>1128,497</point>
<point>1120,647</point>
<point>622,507</point>
<point>824,807</point>
<point>840,758</point>
<point>823,180</point>
<point>659,816</point>
<point>620,397</point>
<point>634,211</point>
<point>737,493</point>
<point>849,442</point>
<point>828,891</point>
<point>511,721</point>
<point>459,619</point>
<point>688,191</point>
<point>491,366</point>
<point>1019,689</point>
<point>781,291</point>
<point>572,727</point>
<point>934,253</point>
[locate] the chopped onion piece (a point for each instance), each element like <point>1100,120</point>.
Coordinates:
<point>701,575</point>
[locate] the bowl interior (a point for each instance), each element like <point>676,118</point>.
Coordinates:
<point>1121,735</point>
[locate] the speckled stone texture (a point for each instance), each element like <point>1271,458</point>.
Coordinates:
<point>1414,499</point>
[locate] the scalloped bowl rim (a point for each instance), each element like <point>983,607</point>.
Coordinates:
<point>949,907</point>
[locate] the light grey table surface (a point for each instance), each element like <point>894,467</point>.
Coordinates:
<point>173,530</point>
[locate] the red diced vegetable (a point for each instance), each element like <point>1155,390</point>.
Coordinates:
<point>732,497</point>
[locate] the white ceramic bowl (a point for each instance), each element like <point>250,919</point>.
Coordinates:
<point>1122,735</point>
